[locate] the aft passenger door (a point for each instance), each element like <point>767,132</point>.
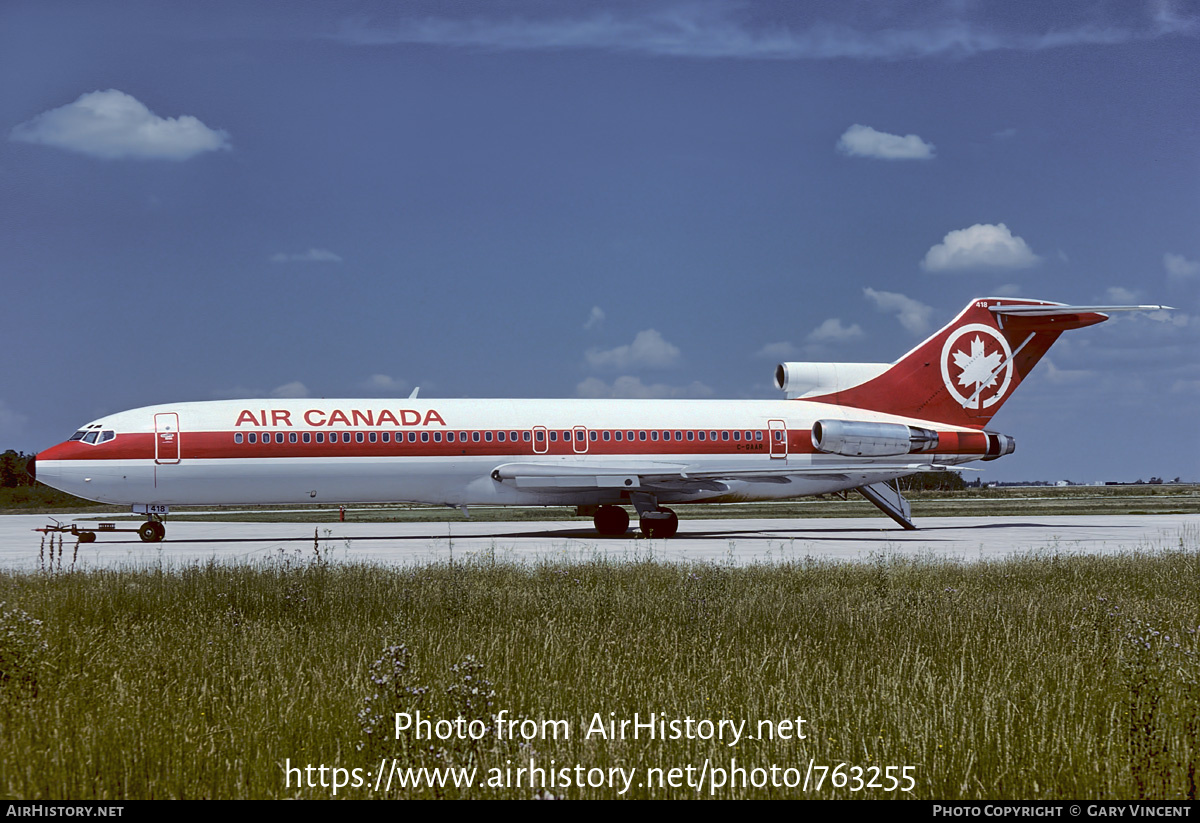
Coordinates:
<point>777,434</point>
<point>166,438</point>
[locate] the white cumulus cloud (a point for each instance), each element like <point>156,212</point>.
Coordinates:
<point>633,387</point>
<point>648,350</point>
<point>1120,295</point>
<point>981,246</point>
<point>913,315</point>
<point>386,384</point>
<point>864,141</point>
<point>1179,268</point>
<point>595,318</point>
<point>783,350</point>
<point>832,331</point>
<point>112,124</point>
<point>293,389</point>
<point>310,256</point>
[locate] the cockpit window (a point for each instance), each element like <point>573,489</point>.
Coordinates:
<point>78,435</point>
<point>91,436</point>
<point>106,435</point>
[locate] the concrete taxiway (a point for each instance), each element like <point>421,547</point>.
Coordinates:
<point>739,542</point>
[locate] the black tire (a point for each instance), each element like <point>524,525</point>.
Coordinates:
<point>611,520</point>
<point>661,527</point>
<point>151,531</point>
<point>87,537</point>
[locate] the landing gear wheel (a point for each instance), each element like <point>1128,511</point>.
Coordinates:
<point>611,520</point>
<point>660,526</point>
<point>87,537</point>
<point>152,531</point>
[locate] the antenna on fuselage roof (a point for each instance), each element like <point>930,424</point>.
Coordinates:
<point>413,396</point>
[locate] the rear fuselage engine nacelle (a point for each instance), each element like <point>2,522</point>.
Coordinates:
<point>854,438</point>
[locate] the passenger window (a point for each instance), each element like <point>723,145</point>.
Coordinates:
<point>525,436</point>
<point>292,437</point>
<point>307,437</point>
<point>642,436</point>
<point>437,437</point>
<point>252,438</point>
<point>691,436</point>
<point>540,436</point>
<point>237,437</point>
<point>554,437</point>
<point>513,436</point>
<point>320,437</point>
<point>371,437</point>
<point>758,435</point>
<point>474,437</point>
<point>358,437</point>
<point>278,437</point>
<point>412,437</point>
<point>592,436</point>
<point>778,436</point>
<point>424,437</point>
<point>700,435</point>
<point>385,437</point>
<point>500,437</point>
<point>487,436</point>
<point>737,435</point>
<point>724,435</point>
<point>666,435</point>
<point>607,435</point>
<point>449,437</point>
<point>654,435</point>
<point>617,436</point>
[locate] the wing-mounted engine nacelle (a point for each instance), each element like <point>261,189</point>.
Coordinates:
<point>809,379</point>
<point>854,438</point>
<point>998,445</point>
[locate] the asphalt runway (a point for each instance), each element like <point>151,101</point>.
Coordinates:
<point>737,542</point>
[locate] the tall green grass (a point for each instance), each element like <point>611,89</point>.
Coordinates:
<point>1048,676</point>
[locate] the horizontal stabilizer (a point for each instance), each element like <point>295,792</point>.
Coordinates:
<point>1053,311</point>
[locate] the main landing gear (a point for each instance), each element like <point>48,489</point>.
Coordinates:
<point>654,520</point>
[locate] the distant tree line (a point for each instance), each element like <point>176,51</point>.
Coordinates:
<point>932,482</point>
<point>12,470</point>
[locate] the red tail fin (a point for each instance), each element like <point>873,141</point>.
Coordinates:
<point>965,371</point>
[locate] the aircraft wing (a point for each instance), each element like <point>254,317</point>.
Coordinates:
<point>677,477</point>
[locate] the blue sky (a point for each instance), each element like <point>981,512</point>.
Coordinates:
<point>551,199</point>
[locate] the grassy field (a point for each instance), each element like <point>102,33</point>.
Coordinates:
<point>1043,677</point>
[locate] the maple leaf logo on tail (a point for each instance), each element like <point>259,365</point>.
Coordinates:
<point>976,371</point>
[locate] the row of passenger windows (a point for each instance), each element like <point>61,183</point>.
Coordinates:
<point>540,435</point>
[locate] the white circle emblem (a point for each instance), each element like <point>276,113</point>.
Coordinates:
<point>976,366</point>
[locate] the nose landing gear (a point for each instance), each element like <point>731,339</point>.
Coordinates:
<point>152,531</point>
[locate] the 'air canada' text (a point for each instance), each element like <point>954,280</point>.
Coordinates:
<point>354,417</point>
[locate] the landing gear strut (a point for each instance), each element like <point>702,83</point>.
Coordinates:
<point>611,520</point>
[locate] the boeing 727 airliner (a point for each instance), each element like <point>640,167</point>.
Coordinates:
<point>842,426</point>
